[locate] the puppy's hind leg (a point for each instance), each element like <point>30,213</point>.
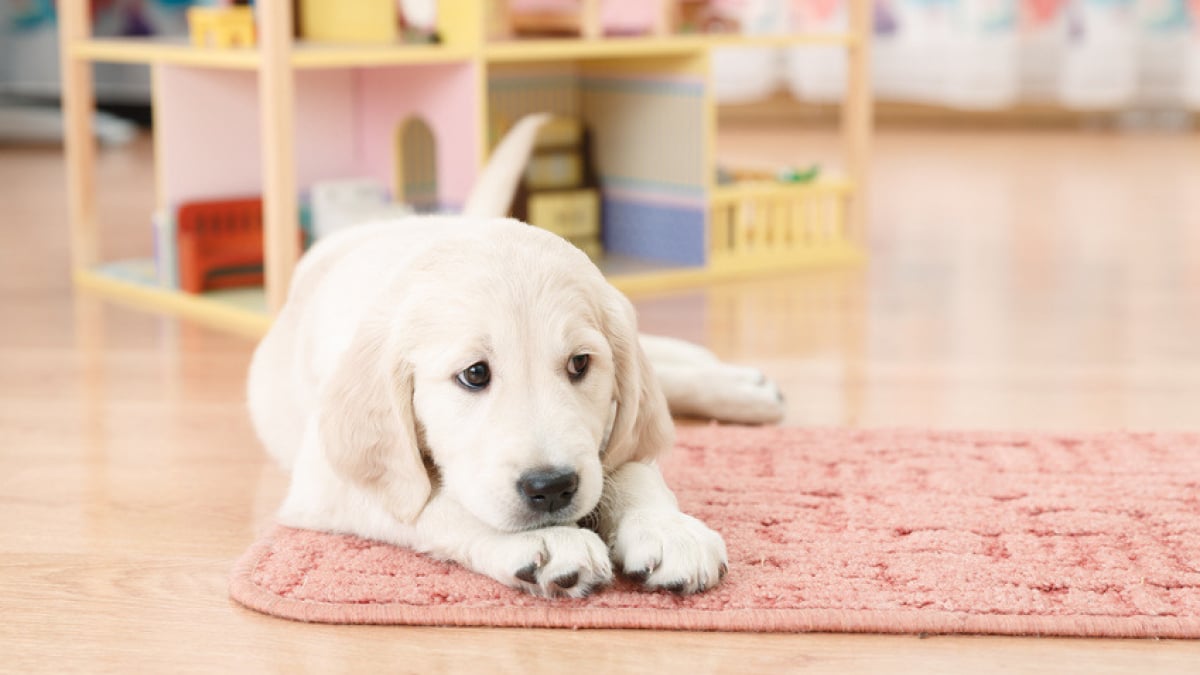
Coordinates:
<point>672,351</point>
<point>724,393</point>
<point>698,384</point>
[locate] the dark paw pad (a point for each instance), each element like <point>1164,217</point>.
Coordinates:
<point>640,576</point>
<point>678,587</point>
<point>567,580</point>
<point>527,573</point>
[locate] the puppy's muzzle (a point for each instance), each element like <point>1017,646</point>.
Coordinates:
<point>548,490</point>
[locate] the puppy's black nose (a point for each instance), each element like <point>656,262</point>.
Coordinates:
<point>548,490</point>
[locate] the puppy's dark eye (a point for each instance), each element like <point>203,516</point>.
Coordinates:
<point>577,366</point>
<point>476,376</point>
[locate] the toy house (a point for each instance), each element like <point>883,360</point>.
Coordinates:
<point>272,123</point>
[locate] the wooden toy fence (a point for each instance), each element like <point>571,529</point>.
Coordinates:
<point>764,224</point>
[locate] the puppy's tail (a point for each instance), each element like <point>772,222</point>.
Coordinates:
<point>494,190</point>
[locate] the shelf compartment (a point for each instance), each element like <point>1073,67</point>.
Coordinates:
<point>133,283</point>
<point>243,311</point>
<point>164,50</point>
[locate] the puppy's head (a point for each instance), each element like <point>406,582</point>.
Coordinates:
<point>502,369</point>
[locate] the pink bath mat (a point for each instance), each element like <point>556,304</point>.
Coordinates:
<point>835,530</point>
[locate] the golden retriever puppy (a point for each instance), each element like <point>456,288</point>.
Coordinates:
<point>473,388</point>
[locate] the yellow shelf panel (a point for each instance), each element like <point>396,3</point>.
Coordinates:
<point>316,55</point>
<point>825,254</point>
<point>304,55</point>
<point>216,310</point>
<point>676,279</point>
<point>532,49</point>
<point>242,312</point>
<point>178,51</point>
<point>164,50</point>
<point>787,40</point>
<point>635,276</point>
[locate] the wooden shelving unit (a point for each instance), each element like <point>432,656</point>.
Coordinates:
<point>644,47</point>
<point>747,243</point>
<point>157,50</point>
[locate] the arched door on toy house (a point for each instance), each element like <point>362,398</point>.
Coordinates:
<point>416,165</point>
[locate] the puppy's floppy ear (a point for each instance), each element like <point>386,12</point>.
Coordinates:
<point>642,428</point>
<point>366,423</point>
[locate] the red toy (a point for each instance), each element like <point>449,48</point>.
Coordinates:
<point>220,244</point>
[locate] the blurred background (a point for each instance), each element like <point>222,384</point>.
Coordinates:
<point>1117,56</point>
<point>1134,63</point>
<point>1034,229</point>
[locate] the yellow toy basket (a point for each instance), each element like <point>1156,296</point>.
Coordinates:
<point>763,225</point>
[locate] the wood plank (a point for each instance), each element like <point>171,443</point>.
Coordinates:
<point>79,106</point>
<point>857,116</point>
<point>277,119</point>
<point>163,50</point>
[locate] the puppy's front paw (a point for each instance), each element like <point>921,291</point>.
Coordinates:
<point>669,550</point>
<point>554,561</point>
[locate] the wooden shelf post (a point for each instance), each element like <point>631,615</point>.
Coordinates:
<point>276,106</point>
<point>856,118</point>
<point>79,106</point>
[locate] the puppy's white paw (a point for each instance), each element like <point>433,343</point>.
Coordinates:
<point>669,550</point>
<point>750,397</point>
<point>550,562</point>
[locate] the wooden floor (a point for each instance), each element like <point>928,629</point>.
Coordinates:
<point>1017,280</point>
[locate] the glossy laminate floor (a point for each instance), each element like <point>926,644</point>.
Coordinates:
<point>1017,280</point>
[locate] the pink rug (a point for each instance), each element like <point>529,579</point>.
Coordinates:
<point>880,531</point>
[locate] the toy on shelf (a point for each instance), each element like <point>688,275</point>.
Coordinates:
<point>220,244</point>
<point>221,27</point>
<point>787,175</point>
<point>202,267</point>
<point>368,21</point>
<point>418,21</point>
<point>584,18</point>
<point>558,189</point>
<point>754,224</point>
<point>337,205</point>
<point>703,16</point>
<point>548,17</point>
<point>362,21</point>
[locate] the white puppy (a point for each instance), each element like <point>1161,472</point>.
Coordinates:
<point>473,388</point>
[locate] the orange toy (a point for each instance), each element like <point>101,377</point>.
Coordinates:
<point>220,244</point>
